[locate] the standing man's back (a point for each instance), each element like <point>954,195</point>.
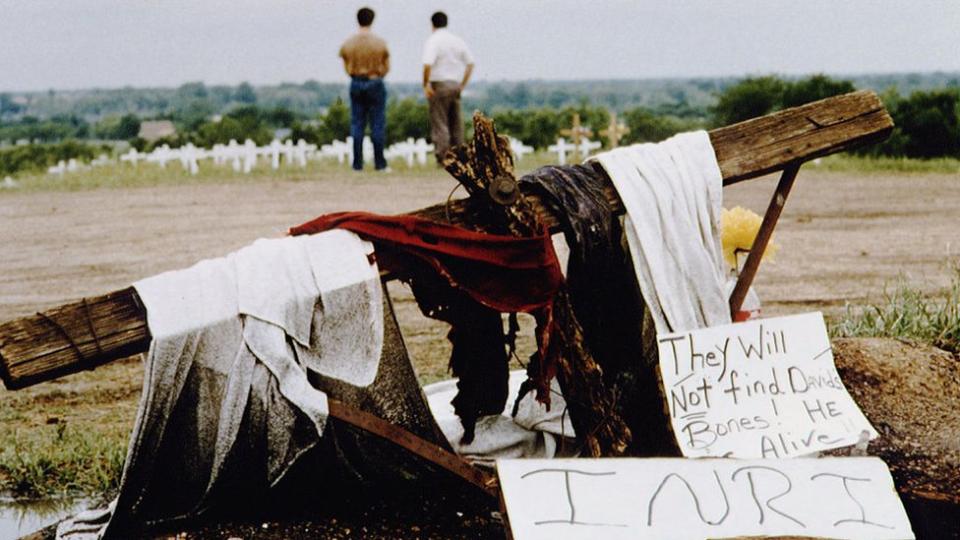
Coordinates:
<point>447,66</point>
<point>367,60</point>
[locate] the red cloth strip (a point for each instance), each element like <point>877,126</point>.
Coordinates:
<point>505,273</point>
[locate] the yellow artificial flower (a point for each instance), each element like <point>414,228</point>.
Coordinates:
<point>739,228</point>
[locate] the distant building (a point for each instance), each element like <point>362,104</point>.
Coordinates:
<point>152,130</point>
<point>282,133</point>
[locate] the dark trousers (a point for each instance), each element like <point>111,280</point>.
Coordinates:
<point>368,103</point>
<point>446,125</point>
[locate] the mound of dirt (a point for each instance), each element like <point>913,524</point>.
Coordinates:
<point>911,395</point>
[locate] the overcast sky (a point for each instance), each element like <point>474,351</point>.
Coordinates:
<point>111,43</point>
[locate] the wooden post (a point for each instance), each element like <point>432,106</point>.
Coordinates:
<point>486,167</point>
<point>763,237</point>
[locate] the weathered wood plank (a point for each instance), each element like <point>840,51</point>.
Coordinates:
<point>763,145</point>
<point>100,329</point>
<point>33,350</point>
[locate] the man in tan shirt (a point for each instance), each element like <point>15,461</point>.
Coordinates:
<point>366,60</point>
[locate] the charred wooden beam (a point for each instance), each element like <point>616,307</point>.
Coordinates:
<point>485,168</point>
<point>97,330</point>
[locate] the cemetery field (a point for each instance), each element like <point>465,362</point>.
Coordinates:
<point>843,237</point>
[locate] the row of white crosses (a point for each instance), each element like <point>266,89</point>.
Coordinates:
<point>64,166</point>
<point>581,145</point>
<point>407,150</point>
<point>243,157</point>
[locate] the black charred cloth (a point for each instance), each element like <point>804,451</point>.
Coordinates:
<point>605,297</point>
<point>479,359</point>
<point>600,281</point>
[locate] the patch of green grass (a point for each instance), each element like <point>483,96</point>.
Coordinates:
<point>58,459</point>
<point>875,164</point>
<point>907,313</point>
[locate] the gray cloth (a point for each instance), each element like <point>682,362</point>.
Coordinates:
<point>227,406</point>
<point>446,123</point>
<point>673,192</point>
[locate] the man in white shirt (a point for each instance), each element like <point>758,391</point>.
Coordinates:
<point>447,65</point>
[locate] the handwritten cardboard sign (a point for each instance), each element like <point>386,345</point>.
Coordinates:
<point>766,388</point>
<point>677,498</point>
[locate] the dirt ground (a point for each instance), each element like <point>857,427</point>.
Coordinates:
<point>842,237</point>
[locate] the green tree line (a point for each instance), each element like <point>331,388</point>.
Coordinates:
<point>927,121</point>
<point>37,157</point>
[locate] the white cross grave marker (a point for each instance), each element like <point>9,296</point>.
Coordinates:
<point>101,160</point>
<point>132,156</point>
<point>218,153</point>
<point>161,156</point>
<point>274,151</point>
<point>518,148</point>
<point>249,151</point>
<point>561,148</point>
<point>288,151</point>
<point>339,149</point>
<point>421,148</point>
<point>300,153</point>
<point>188,157</point>
<point>587,146</point>
<point>58,169</point>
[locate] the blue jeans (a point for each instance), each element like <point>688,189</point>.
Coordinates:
<point>368,103</point>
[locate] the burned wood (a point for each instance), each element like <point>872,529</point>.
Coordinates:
<point>418,446</point>
<point>487,164</point>
<point>33,350</point>
<point>72,337</point>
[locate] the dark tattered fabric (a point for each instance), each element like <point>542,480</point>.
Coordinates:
<point>479,359</point>
<point>604,294</point>
<point>467,278</point>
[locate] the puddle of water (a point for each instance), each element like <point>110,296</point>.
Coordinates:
<point>20,517</point>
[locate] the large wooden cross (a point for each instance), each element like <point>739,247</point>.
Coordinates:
<point>113,326</point>
<point>84,334</point>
